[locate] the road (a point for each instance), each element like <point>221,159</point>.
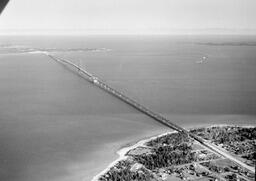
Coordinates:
<point>96,81</point>
<point>228,156</point>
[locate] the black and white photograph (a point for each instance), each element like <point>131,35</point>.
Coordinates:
<point>127,90</point>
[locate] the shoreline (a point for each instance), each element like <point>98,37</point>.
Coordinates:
<point>129,146</point>
<point>125,149</point>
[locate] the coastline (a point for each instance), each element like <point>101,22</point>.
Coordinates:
<point>130,146</point>
<point>125,149</point>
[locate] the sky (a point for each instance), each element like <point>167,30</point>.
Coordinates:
<point>129,16</point>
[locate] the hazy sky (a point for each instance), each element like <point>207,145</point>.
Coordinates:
<point>128,16</point>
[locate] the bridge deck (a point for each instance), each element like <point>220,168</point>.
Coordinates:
<point>96,81</point>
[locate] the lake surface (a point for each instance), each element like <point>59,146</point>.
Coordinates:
<point>56,126</point>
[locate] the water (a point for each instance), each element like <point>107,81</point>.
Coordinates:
<point>56,126</point>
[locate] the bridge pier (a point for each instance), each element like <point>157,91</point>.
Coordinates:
<point>143,109</point>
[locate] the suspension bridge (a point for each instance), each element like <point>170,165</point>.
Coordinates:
<point>104,86</point>
<point>96,81</point>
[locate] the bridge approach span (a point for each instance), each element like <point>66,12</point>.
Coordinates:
<point>96,81</point>
<point>101,84</point>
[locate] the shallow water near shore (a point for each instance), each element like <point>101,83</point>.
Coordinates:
<point>57,126</point>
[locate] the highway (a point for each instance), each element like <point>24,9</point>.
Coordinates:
<point>96,81</point>
<point>101,84</point>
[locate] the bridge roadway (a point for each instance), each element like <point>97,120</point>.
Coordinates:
<point>96,81</point>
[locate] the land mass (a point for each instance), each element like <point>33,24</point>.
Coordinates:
<point>176,156</point>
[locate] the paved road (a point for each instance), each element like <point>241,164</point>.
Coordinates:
<point>150,113</point>
<point>227,155</point>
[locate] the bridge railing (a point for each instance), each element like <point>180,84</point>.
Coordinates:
<point>93,79</point>
<point>122,96</point>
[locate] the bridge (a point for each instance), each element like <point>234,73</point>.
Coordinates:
<point>96,81</point>
<point>101,84</point>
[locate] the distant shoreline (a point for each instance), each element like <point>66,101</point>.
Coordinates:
<point>130,146</point>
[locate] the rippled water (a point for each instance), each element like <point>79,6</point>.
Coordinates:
<point>56,126</point>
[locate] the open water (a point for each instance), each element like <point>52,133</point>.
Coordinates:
<point>56,126</point>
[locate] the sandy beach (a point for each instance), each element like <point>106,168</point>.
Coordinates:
<point>122,153</point>
<point>54,124</point>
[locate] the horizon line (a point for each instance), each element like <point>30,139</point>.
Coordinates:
<point>127,34</point>
<point>82,32</point>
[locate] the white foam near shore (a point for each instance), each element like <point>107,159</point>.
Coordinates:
<point>122,153</point>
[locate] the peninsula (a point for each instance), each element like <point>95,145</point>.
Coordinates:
<point>176,156</point>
